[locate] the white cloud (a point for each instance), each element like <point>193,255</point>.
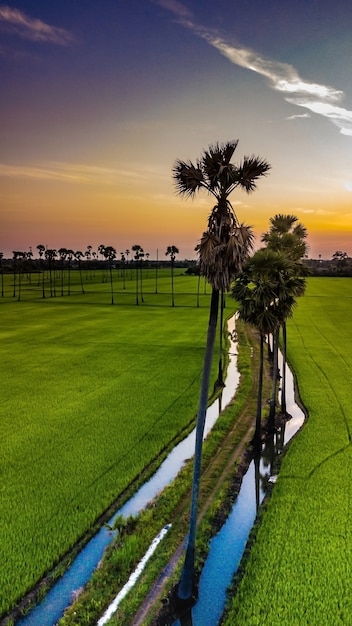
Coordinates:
<point>175,7</point>
<point>319,99</point>
<point>338,115</point>
<point>14,21</point>
<point>299,115</point>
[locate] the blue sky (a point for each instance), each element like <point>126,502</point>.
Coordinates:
<point>99,99</point>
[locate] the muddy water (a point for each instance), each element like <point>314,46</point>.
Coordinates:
<point>60,597</point>
<point>227,547</point>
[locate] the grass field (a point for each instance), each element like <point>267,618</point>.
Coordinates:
<point>299,567</point>
<point>90,394</point>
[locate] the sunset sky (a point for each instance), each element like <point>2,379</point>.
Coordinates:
<point>98,99</point>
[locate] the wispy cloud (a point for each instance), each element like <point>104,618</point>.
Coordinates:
<point>82,173</point>
<point>299,115</point>
<point>319,99</point>
<point>14,21</point>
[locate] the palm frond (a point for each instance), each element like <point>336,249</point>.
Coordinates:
<point>188,177</point>
<point>250,170</point>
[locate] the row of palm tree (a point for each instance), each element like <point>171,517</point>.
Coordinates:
<point>265,286</point>
<point>49,256</point>
<point>223,249</point>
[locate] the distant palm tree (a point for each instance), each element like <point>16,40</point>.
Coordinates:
<point>70,255</point>
<point>138,254</point>
<point>50,255</point>
<point>222,250</point>
<point>123,262</point>
<point>171,251</point>
<point>41,250</point>
<point>2,274</point>
<point>101,249</point>
<point>79,256</point>
<point>18,258</point>
<point>110,255</point>
<point>62,252</point>
<point>88,255</point>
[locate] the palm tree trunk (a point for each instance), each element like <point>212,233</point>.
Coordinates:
<point>220,379</point>
<point>258,419</point>
<point>187,575</point>
<point>111,284</point>
<point>283,382</point>
<point>137,301</point>
<point>156,270</point>
<point>172,283</point>
<point>271,422</point>
<point>80,275</point>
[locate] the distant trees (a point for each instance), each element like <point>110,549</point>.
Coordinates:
<point>223,249</point>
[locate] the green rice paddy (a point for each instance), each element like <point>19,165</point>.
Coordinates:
<point>91,393</point>
<point>299,566</point>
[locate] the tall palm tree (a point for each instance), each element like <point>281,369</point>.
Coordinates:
<point>70,255</point>
<point>101,249</point>
<point>2,274</point>
<point>222,250</point>
<point>50,255</point>
<point>79,256</point>
<point>110,255</point>
<point>123,262</point>
<point>288,236</point>
<point>171,251</point>
<point>41,250</point>
<point>62,252</point>
<point>138,255</point>
<point>257,292</point>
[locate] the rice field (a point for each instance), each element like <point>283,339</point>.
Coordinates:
<point>91,393</point>
<point>299,566</point>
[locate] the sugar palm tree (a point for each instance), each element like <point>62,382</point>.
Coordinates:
<point>171,251</point>
<point>138,255</point>
<point>256,292</point>
<point>70,255</point>
<point>222,250</point>
<point>288,236</point>
<point>110,254</point>
<point>41,250</point>
<point>50,255</point>
<point>2,274</point>
<point>79,256</point>
<point>62,252</point>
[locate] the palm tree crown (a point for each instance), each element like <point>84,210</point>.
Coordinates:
<point>226,243</point>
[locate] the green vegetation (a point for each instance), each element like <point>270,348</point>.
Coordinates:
<point>298,570</point>
<point>91,393</point>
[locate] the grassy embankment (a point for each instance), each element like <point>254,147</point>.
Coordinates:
<point>92,393</point>
<point>298,570</point>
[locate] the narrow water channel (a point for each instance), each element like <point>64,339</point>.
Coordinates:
<point>62,594</point>
<point>227,547</point>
